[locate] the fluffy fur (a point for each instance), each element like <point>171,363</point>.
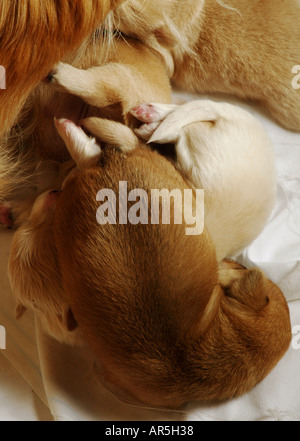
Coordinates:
<point>220,148</point>
<point>238,47</point>
<point>124,81</point>
<point>180,313</point>
<point>224,150</point>
<point>206,46</point>
<point>166,322</point>
<point>34,36</point>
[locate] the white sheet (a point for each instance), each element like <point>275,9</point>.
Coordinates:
<point>63,378</point>
<point>18,398</point>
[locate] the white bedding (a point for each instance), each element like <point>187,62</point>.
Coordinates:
<point>63,376</point>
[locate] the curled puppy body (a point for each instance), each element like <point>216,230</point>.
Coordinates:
<point>224,150</point>
<point>166,322</point>
<point>220,148</point>
<point>213,46</point>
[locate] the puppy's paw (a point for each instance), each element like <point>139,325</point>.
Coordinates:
<point>146,113</point>
<point>145,131</point>
<point>63,77</point>
<point>6,217</point>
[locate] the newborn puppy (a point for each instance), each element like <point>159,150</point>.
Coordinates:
<point>224,150</point>
<point>165,321</point>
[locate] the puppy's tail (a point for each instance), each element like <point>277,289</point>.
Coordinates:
<point>192,112</point>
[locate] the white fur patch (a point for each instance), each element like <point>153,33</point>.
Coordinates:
<point>83,149</point>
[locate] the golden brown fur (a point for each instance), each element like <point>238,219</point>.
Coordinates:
<point>124,81</point>
<point>240,47</point>
<point>192,330</point>
<point>206,46</point>
<point>35,35</point>
<point>165,322</point>
<point>39,285</point>
<point>231,158</point>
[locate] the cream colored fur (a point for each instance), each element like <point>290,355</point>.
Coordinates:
<point>240,47</point>
<point>180,313</point>
<point>224,150</point>
<point>206,46</point>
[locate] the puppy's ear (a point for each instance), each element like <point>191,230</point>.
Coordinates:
<point>250,290</point>
<point>69,320</point>
<point>211,310</point>
<point>20,311</point>
<point>84,150</point>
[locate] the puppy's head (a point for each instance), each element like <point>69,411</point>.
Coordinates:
<point>160,25</point>
<point>35,274</point>
<point>165,21</point>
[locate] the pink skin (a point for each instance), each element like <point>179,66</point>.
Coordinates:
<point>146,113</point>
<point>151,118</point>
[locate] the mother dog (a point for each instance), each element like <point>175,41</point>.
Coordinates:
<point>35,35</point>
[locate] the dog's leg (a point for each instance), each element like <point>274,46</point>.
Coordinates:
<point>145,131</point>
<point>102,86</point>
<point>86,84</point>
<point>84,150</point>
<point>111,133</point>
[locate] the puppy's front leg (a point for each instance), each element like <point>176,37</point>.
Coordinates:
<point>102,86</point>
<point>92,85</point>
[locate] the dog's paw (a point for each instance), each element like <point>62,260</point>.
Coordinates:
<point>62,76</point>
<point>6,218</point>
<point>145,131</point>
<point>146,113</point>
